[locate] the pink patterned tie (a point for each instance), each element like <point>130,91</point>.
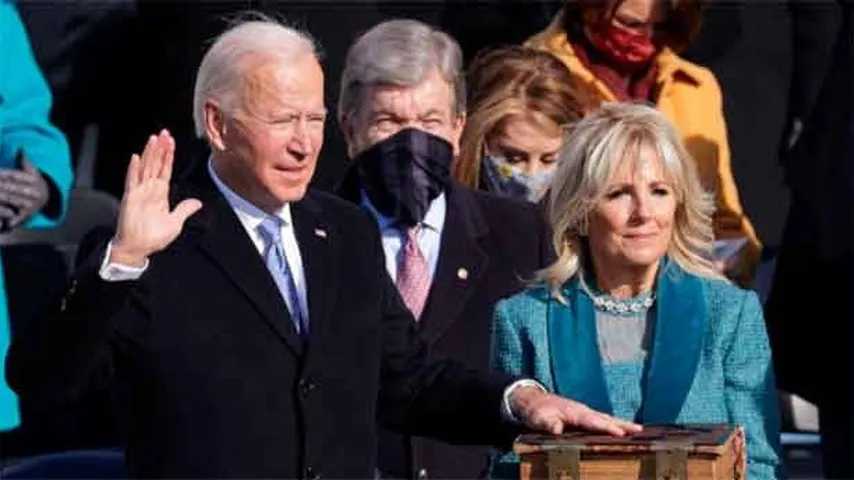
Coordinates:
<point>413,275</point>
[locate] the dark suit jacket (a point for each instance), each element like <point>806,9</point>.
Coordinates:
<point>816,258</point>
<point>770,59</point>
<point>810,310</point>
<point>214,379</point>
<point>815,261</point>
<point>497,243</point>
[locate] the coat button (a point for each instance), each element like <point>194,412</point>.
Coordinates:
<point>311,474</point>
<point>306,385</point>
<point>422,474</point>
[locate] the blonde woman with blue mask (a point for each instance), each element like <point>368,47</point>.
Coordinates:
<point>521,101</point>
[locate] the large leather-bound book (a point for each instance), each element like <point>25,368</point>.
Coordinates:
<point>659,452</point>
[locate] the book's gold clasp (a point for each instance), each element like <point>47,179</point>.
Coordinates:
<point>564,463</point>
<point>671,459</point>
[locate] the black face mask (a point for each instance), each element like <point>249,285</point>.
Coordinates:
<point>403,173</point>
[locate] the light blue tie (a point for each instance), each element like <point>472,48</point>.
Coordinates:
<point>277,263</point>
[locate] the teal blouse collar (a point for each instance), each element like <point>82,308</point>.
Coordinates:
<point>680,324</point>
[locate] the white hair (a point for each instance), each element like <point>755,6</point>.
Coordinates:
<point>593,150</point>
<point>223,66</point>
<point>401,53</point>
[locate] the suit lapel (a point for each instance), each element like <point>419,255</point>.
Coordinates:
<point>576,362</point>
<point>680,327</point>
<point>225,242</point>
<point>315,244</point>
<point>462,263</point>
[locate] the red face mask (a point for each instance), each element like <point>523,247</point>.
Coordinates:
<point>627,49</point>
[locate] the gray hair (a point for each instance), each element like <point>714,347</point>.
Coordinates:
<point>401,53</point>
<point>223,66</point>
<point>592,152</point>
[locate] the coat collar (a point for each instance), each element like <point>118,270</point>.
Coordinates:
<point>554,40</point>
<point>679,330</point>
<point>218,233</point>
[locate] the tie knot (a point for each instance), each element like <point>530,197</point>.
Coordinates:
<point>271,229</point>
<point>412,233</point>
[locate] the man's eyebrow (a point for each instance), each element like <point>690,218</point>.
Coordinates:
<point>432,111</point>
<point>288,107</point>
<point>383,111</point>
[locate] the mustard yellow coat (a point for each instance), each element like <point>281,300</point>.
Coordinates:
<point>690,97</point>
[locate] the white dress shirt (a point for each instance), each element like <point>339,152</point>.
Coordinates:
<point>429,237</point>
<point>250,217</point>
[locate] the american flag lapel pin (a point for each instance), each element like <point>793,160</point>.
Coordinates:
<point>320,232</point>
<point>463,274</point>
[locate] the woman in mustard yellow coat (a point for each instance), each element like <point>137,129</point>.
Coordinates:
<point>625,50</point>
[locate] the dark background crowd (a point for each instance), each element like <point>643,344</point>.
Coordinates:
<point>771,58</point>
<point>122,69</point>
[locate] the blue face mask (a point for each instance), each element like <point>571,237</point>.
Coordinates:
<point>500,177</point>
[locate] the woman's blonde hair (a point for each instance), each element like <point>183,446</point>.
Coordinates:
<point>507,82</point>
<point>599,143</point>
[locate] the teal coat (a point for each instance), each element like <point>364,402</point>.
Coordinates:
<point>24,108</point>
<point>709,361</point>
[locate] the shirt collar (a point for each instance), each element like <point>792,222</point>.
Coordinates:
<point>249,214</point>
<point>433,219</point>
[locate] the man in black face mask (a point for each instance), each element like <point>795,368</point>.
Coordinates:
<point>452,252</point>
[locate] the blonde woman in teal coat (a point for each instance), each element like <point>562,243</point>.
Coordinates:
<point>633,319</point>
<point>35,166</point>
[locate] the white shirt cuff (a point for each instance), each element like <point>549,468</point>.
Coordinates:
<point>506,410</point>
<point>116,272</point>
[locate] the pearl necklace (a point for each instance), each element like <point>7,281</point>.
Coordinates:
<point>618,307</point>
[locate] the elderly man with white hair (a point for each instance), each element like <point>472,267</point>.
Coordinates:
<point>453,252</point>
<point>248,324</point>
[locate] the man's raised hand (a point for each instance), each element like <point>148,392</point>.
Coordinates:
<point>146,224</point>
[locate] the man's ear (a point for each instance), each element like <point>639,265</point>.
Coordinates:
<point>457,132</point>
<point>215,127</point>
<point>348,130</point>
